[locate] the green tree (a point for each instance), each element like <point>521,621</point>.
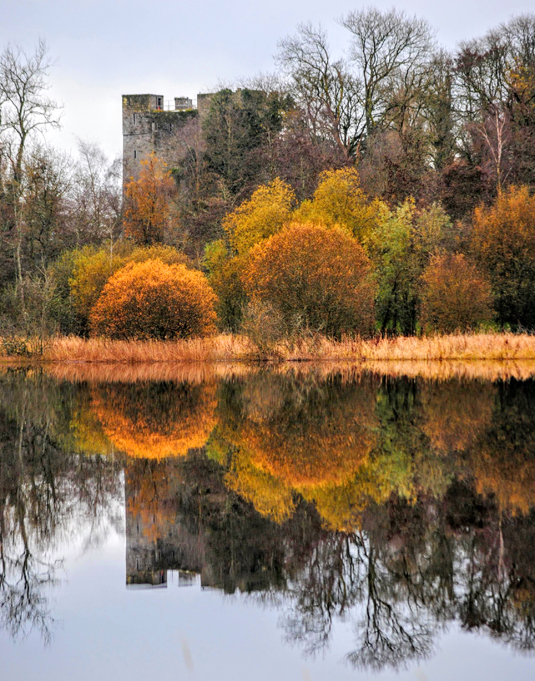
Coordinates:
<point>238,126</point>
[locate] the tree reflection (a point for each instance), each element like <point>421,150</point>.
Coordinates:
<point>153,420</point>
<point>42,490</point>
<point>373,503</point>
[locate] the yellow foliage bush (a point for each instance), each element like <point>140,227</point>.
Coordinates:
<point>264,214</point>
<point>315,278</point>
<point>152,300</point>
<point>339,200</point>
<point>455,297</point>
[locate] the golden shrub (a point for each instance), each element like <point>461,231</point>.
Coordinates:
<point>152,300</point>
<point>315,278</point>
<point>91,269</point>
<point>455,297</point>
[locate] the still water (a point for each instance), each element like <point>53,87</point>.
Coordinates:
<point>258,524</point>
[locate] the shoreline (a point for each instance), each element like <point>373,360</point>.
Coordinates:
<point>486,356</point>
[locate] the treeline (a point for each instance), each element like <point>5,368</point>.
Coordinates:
<point>395,177</point>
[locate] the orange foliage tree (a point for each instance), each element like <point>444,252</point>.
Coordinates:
<point>503,241</point>
<point>315,278</point>
<point>152,300</point>
<point>455,297</point>
<point>147,202</point>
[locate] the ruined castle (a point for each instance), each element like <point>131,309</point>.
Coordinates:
<point>150,124</point>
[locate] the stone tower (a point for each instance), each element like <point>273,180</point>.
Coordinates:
<point>149,125</point>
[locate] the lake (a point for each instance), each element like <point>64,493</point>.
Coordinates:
<point>259,523</point>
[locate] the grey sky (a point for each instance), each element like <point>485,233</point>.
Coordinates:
<point>104,48</point>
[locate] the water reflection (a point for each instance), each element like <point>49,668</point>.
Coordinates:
<point>396,506</point>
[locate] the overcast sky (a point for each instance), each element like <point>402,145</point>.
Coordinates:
<point>105,48</point>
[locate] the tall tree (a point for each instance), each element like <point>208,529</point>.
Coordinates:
<point>391,52</point>
<point>147,202</point>
<point>326,90</point>
<point>25,110</point>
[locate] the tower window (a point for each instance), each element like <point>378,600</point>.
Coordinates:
<point>159,104</point>
<point>134,118</point>
<point>135,153</point>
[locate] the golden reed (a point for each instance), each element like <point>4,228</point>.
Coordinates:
<point>486,356</point>
<point>226,347</point>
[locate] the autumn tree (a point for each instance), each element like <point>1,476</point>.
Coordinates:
<point>315,278</point>
<point>147,199</point>
<point>503,242</point>
<point>339,200</point>
<point>455,296</point>
<point>255,220</point>
<point>258,218</point>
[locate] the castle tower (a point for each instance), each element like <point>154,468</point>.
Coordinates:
<point>149,125</point>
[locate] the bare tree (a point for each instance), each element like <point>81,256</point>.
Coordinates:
<point>326,90</point>
<point>495,133</point>
<point>25,107</point>
<point>25,110</point>
<point>96,196</point>
<point>391,52</point>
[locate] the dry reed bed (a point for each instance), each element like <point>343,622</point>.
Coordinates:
<point>226,348</point>
<point>485,356</point>
<point>466,347</point>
